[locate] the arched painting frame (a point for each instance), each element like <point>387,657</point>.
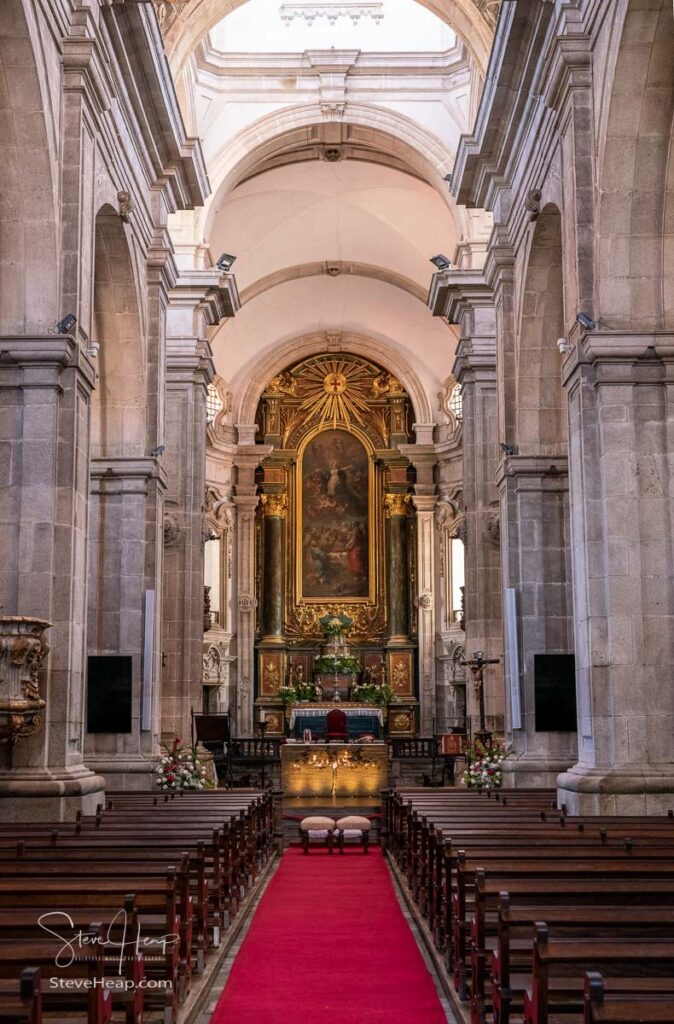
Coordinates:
<point>335,518</point>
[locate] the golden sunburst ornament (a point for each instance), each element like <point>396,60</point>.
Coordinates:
<point>336,391</point>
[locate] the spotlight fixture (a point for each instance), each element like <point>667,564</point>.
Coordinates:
<point>508,449</point>
<point>586,321</point>
<point>158,451</point>
<point>441,262</point>
<point>225,262</point>
<point>448,179</point>
<point>64,326</point>
<point>92,349</point>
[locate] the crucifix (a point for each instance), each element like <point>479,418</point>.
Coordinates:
<point>476,665</point>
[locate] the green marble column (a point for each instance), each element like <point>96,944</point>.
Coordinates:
<point>275,508</point>
<point>395,506</point>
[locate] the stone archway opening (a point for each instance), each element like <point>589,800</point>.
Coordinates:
<point>536,524</point>
<point>118,409</point>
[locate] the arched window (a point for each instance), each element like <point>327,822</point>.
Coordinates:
<point>213,403</point>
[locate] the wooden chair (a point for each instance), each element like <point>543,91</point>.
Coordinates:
<point>335,725</point>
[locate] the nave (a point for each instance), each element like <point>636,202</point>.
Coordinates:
<point>479,907</point>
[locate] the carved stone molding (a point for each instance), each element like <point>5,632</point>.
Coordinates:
<point>494,524</point>
<point>247,603</point>
<point>332,12</point>
<point>172,528</point>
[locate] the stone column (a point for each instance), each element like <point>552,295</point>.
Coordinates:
<point>395,506</point>
<point>126,498</point>
<point>621,442</point>
<point>199,300</point>
<point>248,458</point>
<point>425,507</point>
<point>275,508</point>
<point>45,386</point>
<point>471,306</point>
<point>535,551</point>
<point>189,369</point>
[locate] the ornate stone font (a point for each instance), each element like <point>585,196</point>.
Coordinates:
<point>23,649</point>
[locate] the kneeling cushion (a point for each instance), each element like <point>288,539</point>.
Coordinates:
<point>354,822</point>
<point>317,823</point>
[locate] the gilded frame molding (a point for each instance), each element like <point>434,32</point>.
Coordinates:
<point>374,524</point>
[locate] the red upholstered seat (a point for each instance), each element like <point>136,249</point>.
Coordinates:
<point>335,725</point>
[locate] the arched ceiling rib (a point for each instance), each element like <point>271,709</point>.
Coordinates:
<point>186,22</point>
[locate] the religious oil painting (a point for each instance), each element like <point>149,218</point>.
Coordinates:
<point>334,526</point>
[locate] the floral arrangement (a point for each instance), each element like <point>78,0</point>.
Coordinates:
<point>290,694</point>
<point>484,768</point>
<point>373,692</point>
<point>180,769</point>
<point>339,665</point>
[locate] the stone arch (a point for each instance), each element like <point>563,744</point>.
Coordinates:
<point>636,172</point>
<point>118,424</point>
<point>541,406</point>
<point>271,363</point>
<point>388,132</point>
<point>29,263</point>
<point>468,18</point>
<point>300,270</point>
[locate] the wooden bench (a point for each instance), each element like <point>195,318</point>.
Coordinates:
<point>644,1007</point>
<point>566,959</point>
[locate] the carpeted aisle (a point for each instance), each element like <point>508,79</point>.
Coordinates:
<point>329,945</point>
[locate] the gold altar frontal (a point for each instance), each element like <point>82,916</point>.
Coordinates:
<point>334,769</point>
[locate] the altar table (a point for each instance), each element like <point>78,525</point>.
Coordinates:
<point>334,769</point>
<point>360,719</point>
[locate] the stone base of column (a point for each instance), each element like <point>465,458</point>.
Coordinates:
<point>128,772</point>
<point>28,794</point>
<point>533,772</point>
<point>629,789</point>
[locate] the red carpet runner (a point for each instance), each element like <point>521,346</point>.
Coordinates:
<point>329,945</point>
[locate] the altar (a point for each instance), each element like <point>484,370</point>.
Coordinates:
<point>334,769</point>
<point>361,719</point>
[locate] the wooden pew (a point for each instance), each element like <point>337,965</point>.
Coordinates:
<point>565,959</point>
<point>21,1001</point>
<point>515,929</point>
<point>651,1007</point>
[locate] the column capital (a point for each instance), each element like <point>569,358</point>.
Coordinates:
<point>475,359</point>
<point>533,473</point>
<point>42,359</point>
<point>395,505</point>
<point>214,294</point>
<point>453,291</point>
<point>275,505</point>
<point>425,503</point>
<point>625,358</point>
<point>189,361</point>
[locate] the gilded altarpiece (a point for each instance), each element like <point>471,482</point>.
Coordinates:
<point>334,493</point>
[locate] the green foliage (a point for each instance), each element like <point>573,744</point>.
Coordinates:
<point>339,665</point>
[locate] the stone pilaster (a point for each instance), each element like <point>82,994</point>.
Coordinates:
<point>45,390</point>
<point>125,560</point>
<point>621,394</point>
<point>425,509</point>
<point>199,300</point>
<point>247,459</point>
<point>535,558</point>
<point>469,303</point>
